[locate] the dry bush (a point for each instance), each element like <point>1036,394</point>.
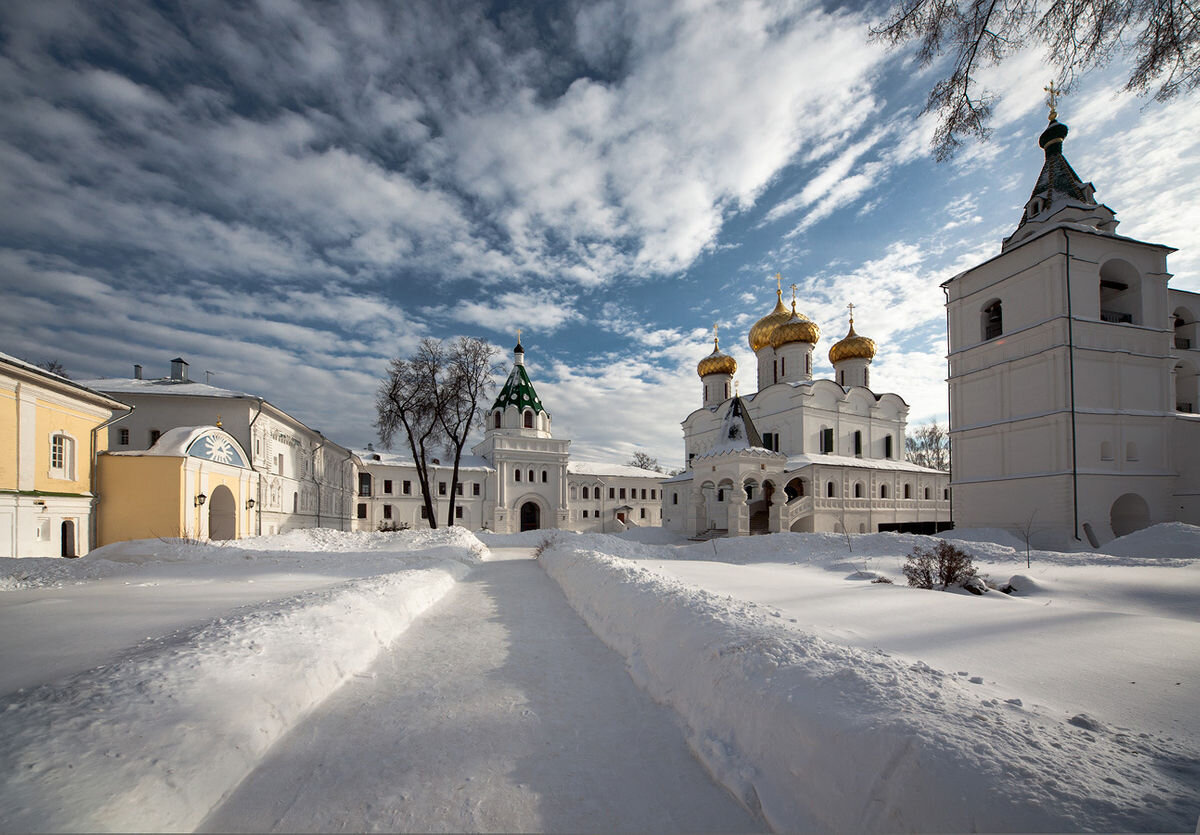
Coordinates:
<point>941,566</point>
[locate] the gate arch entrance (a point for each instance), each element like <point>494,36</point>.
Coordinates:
<point>222,514</point>
<point>531,516</point>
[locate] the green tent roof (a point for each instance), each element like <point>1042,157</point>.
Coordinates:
<point>519,392</point>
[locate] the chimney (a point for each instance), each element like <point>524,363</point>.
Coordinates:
<point>179,370</point>
<point>137,371</point>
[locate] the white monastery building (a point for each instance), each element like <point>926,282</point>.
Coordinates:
<point>799,454</point>
<point>294,476</point>
<point>519,478</point>
<point>1073,375</point>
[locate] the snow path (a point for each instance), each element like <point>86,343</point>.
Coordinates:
<point>499,710</point>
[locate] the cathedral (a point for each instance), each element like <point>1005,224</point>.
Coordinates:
<point>1073,374</point>
<point>799,454</point>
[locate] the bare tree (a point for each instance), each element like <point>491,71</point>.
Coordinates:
<point>55,367</point>
<point>1026,532</point>
<point>644,461</point>
<point>466,381</point>
<point>1160,37</point>
<point>410,400</point>
<point>929,446</point>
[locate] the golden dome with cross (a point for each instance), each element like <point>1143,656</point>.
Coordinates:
<point>852,346</point>
<point>717,362</point>
<point>764,328</point>
<point>798,328</point>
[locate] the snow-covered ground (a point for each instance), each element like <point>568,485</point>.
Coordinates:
<point>835,703</point>
<point>421,681</point>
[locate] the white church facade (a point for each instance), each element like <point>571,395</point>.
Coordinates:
<point>519,477</point>
<point>1073,375</point>
<point>799,454</point>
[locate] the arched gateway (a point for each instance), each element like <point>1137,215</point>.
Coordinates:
<point>531,516</point>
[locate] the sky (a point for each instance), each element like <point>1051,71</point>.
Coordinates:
<point>287,194</point>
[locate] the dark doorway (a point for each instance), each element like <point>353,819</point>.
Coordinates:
<point>68,539</point>
<point>531,517</point>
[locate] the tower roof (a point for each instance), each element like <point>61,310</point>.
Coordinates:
<point>518,391</point>
<point>737,429</point>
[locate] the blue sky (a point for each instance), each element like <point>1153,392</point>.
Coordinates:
<point>287,194</point>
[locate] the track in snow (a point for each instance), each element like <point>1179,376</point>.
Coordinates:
<point>499,710</point>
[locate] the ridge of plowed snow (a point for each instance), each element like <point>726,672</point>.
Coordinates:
<point>156,739</point>
<point>826,737</point>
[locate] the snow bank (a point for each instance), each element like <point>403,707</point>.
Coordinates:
<point>1169,540</point>
<point>155,740</point>
<point>304,548</point>
<point>818,736</point>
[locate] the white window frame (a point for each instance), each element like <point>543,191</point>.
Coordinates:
<point>66,467</point>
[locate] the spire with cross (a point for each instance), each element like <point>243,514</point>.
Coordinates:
<point>1052,100</point>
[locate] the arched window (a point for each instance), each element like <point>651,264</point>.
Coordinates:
<point>883,491</point>
<point>1106,451</point>
<point>516,475</point>
<point>531,476</point>
<point>529,420</point>
<point>674,498</point>
<point>496,419</point>
<point>866,377</point>
<point>858,443</point>
<point>1120,293</point>
<point>545,477</point>
<point>830,490</point>
<point>858,490</point>
<point>1131,453</point>
<point>908,491</point>
<point>926,494</point>
<point>993,320</point>
<point>946,494</point>
<point>586,493</point>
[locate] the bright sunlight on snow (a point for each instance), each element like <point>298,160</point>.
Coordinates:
<point>437,680</point>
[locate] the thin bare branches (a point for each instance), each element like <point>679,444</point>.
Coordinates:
<point>1162,37</point>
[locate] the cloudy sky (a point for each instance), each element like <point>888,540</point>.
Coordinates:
<point>287,194</point>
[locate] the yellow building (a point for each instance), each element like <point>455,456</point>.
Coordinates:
<point>50,430</point>
<point>195,482</point>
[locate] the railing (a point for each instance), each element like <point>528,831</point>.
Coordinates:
<point>1116,317</point>
<point>1185,407</point>
<point>1183,342</point>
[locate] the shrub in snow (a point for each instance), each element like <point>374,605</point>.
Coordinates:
<point>882,579</point>
<point>975,585</point>
<point>943,565</point>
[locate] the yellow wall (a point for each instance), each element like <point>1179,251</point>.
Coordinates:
<point>141,497</point>
<point>52,418</point>
<point>8,436</point>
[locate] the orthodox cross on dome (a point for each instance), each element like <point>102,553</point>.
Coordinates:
<point>793,293</point>
<point>1052,100</point>
<point>779,282</point>
<point>851,306</point>
<point>518,336</point>
<point>716,335</point>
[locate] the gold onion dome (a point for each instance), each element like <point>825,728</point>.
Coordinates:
<point>760,334</point>
<point>852,347</point>
<point>798,328</point>
<point>716,362</point>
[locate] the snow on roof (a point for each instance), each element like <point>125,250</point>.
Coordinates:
<point>165,385</point>
<point>621,470</point>
<point>50,376</point>
<point>795,462</point>
<point>173,442</point>
<point>386,458</point>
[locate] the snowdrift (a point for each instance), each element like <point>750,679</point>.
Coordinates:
<point>155,740</point>
<point>819,736</point>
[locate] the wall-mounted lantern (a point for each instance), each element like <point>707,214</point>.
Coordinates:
<point>249,504</point>
<point>201,499</point>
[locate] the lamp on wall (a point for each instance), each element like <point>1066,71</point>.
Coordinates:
<point>249,504</point>
<point>201,499</point>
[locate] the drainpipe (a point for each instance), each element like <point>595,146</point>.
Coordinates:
<point>94,478</point>
<point>320,446</point>
<point>254,466</point>
<point>344,517</point>
<point>949,417</point>
<point>1071,359</point>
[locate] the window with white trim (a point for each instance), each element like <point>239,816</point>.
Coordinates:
<point>62,456</point>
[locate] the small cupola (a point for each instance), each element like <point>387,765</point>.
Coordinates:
<point>851,356</point>
<point>716,374</point>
